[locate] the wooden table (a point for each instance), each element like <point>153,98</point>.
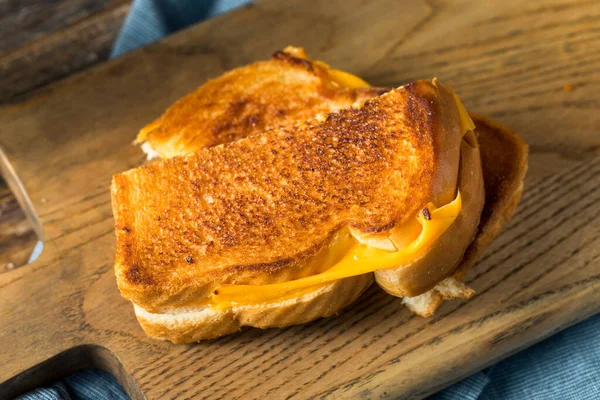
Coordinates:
<point>531,65</point>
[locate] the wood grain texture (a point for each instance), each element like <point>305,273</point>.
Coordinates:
<point>43,41</point>
<point>40,42</point>
<point>510,60</point>
<point>24,21</point>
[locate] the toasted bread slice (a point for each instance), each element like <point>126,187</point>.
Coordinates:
<point>252,99</point>
<point>504,162</point>
<point>265,209</point>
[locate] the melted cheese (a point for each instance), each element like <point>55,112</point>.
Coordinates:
<point>466,123</point>
<point>359,260</point>
<point>346,80</point>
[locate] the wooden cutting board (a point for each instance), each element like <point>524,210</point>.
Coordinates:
<point>533,66</point>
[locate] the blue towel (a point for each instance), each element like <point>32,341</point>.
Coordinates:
<point>565,366</point>
<point>87,384</point>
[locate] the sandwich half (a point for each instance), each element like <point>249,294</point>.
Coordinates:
<point>292,223</point>
<point>251,99</point>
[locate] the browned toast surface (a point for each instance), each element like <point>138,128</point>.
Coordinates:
<point>253,211</point>
<point>504,157</point>
<point>248,100</point>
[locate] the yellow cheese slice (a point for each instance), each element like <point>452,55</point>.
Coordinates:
<point>361,259</point>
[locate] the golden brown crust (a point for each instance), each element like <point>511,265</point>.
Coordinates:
<point>253,211</point>
<point>448,143</point>
<point>504,157</point>
<point>209,324</point>
<point>249,100</point>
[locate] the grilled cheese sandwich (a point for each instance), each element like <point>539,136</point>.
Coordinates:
<point>289,218</point>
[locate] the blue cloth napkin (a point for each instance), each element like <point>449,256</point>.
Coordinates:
<point>565,366</point>
<point>87,384</point>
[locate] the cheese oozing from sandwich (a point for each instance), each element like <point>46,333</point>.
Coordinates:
<point>420,233</point>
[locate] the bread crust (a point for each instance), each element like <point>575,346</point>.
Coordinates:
<point>278,199</point>
<point>208,323</point>
<point>504,156</point>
